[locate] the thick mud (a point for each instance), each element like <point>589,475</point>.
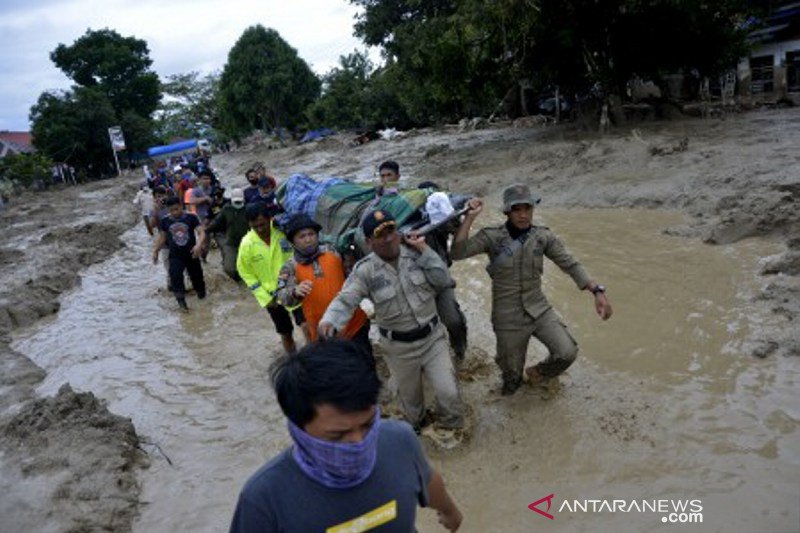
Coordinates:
<point>666,400</point>
<point>67,463</point>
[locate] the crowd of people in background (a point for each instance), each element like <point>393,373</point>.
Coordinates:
<point>184,204</point>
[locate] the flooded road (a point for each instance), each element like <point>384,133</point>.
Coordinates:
<point>663,403</point>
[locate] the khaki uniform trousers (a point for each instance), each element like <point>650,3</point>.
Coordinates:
<point>229,255</point>
<point>409,362</point>
<point>512,346</point>
<point>454,320</point>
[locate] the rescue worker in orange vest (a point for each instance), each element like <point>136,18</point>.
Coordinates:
<point>313,277</point>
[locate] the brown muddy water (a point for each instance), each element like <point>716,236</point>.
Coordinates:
<point>663,403</point>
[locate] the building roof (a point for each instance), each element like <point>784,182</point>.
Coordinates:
<point>19,141</point>
<point>782,24</point>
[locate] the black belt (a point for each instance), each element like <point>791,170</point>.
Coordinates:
<point>413,335</point>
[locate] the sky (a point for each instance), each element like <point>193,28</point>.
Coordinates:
<point>182,35</point>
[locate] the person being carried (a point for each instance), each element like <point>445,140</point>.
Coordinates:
<point>402,282</point>
<point>520,310</point>
<point>313,277</point>
<point>178,232</point>
<point>347,469</point>
<point>262,253</point>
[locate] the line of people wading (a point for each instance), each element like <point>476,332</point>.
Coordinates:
<point>351,470</point>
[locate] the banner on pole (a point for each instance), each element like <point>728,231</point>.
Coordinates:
<point>117,140</point>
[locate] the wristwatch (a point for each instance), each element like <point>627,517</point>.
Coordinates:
<point>598,289</point>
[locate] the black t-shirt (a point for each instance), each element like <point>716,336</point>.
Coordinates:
<point>180,232</point>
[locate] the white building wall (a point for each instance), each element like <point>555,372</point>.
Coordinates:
<point>776,50</point>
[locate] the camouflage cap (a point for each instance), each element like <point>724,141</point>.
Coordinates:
<point>519,193</point>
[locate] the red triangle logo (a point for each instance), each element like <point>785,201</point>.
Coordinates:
<point>549,500</point>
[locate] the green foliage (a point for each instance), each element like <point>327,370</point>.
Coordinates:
<point>343,103</point>
<point>456,58</point>
<point>117,65</point>
<point>190,106</point>
<point>24,169</point>
<point>265,84</point>
<point>113,87</point>
<point>444,54</point>
<point>73,127</point>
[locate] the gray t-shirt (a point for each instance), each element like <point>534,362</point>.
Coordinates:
<point>280,497</point>
<point>204,208</point>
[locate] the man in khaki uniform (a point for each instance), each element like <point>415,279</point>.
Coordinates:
<point>402,282</point>
<point>520,310</point>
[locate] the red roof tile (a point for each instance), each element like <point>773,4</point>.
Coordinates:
<point>23,139</point>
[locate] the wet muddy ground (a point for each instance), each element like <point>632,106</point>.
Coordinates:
<point>666,400</point>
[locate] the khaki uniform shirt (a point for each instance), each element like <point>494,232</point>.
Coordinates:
<point>517,279</point>
<point>404,298</point>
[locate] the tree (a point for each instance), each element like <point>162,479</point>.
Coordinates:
<point>72,127</point>
<point>444,54</point>
<point>114,86</point>
<point>264,84</point>
<point>455,58</point>
<point>118,66</point>
<point>190,107</point>
<point>24,169</point>
<point>343,103</point>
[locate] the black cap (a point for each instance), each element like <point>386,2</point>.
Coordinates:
<point>301,221</point>
<point>255,209</point>
<point>376,221</point>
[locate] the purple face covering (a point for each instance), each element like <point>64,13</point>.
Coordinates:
<point>336,465</point>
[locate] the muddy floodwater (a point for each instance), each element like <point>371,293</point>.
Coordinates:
<point>663,403</point>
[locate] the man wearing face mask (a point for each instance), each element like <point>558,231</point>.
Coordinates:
<point>347,469</point>
<point>251,191</point>
<point>232,220</point>
<point>402,282</point>
<point>313,277</point>
<point>520,310</point>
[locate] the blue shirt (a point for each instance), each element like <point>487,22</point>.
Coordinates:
<point>280,497</point>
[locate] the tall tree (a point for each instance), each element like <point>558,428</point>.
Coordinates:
<point>264,84</point>
<point>343,102</point>
<point>113,86</point>
<point>118,66</point>
<point>454,58</point>
<point>190,105</point>
<point>72,127</point>
<point>445,54</point>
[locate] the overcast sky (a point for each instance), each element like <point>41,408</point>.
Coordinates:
<point>183,35</point>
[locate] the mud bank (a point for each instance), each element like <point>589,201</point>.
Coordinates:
<point>67,463</point>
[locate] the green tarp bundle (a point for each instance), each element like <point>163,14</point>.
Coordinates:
<point>339,205</point>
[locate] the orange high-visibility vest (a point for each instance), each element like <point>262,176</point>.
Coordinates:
<point>324,291</point>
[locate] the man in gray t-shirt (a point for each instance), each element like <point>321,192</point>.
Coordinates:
<point>348,469</point>
<point>201,197</point>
